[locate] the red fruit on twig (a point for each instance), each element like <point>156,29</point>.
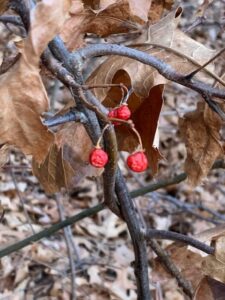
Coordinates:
<point>112,113</point>
<point>137,161</point>
<point>123,112</point>
<point>98,158</point>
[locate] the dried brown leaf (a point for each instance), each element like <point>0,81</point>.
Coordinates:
<point>200,131</point>
<point>67,161</point>
<point>138,8</point>
<point>145,114</point>
<point>214,265</point>
<point>3,6</point>
<point>4,155</point>
<point>211,234</point>
<point>23,96</point>
<point>54,172</point>
<point>147,83</point>
<point>188,262</point>
<point>210,289</point>
<point>103,18</point>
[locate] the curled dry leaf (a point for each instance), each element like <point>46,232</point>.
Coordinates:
<point>107,17</point>
<point>68,159</point>
<point>147,100</point>
<point>210,289</point>
<point>200,131</point>
<point>23,96</point>
<point>137,8</point>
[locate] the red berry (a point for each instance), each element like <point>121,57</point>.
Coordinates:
<point>123,112</point>
<point>112,113</point>
<point>98,158</point>
<point>137,161</point>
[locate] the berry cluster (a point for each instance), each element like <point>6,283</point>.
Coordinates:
<point>137,161</point>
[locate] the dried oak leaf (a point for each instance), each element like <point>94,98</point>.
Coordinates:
<point>147,83</point>
<point>200,132</point>
<point>137,8</point>
<point>103,19</point>
<point>210,289</point>
<point>68,159</point>
<point>23,96</point>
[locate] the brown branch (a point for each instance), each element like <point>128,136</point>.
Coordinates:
<point>174,236</point>
<point>86,102</point>
<point>171,267</point>
<point>163,68</point>
<point>178,53</point>
<point>128,211</point>
<point>69,248</point>
<point>139,244</point>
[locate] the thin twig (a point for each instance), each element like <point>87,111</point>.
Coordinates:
<point>10,19</point>
<point>51,230</point>
<point>21,201</point>
<point>139,244</point>
<point>72,116</point>
<point>169,181</point>
<point>174,236</point>
<point>193,73</point>
<point>69,248</point>
<point>163,68</point>
<point>178,53</point>
<point>171,267</point>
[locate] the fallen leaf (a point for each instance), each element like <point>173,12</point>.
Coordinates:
<point>200,132</point>
<point>23,96</point>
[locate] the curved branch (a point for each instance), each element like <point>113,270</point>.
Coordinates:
<point>172,268</point>
<point>174,236</point>
<point>163,68</point>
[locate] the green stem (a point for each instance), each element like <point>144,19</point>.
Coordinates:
<point>51,230</point>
